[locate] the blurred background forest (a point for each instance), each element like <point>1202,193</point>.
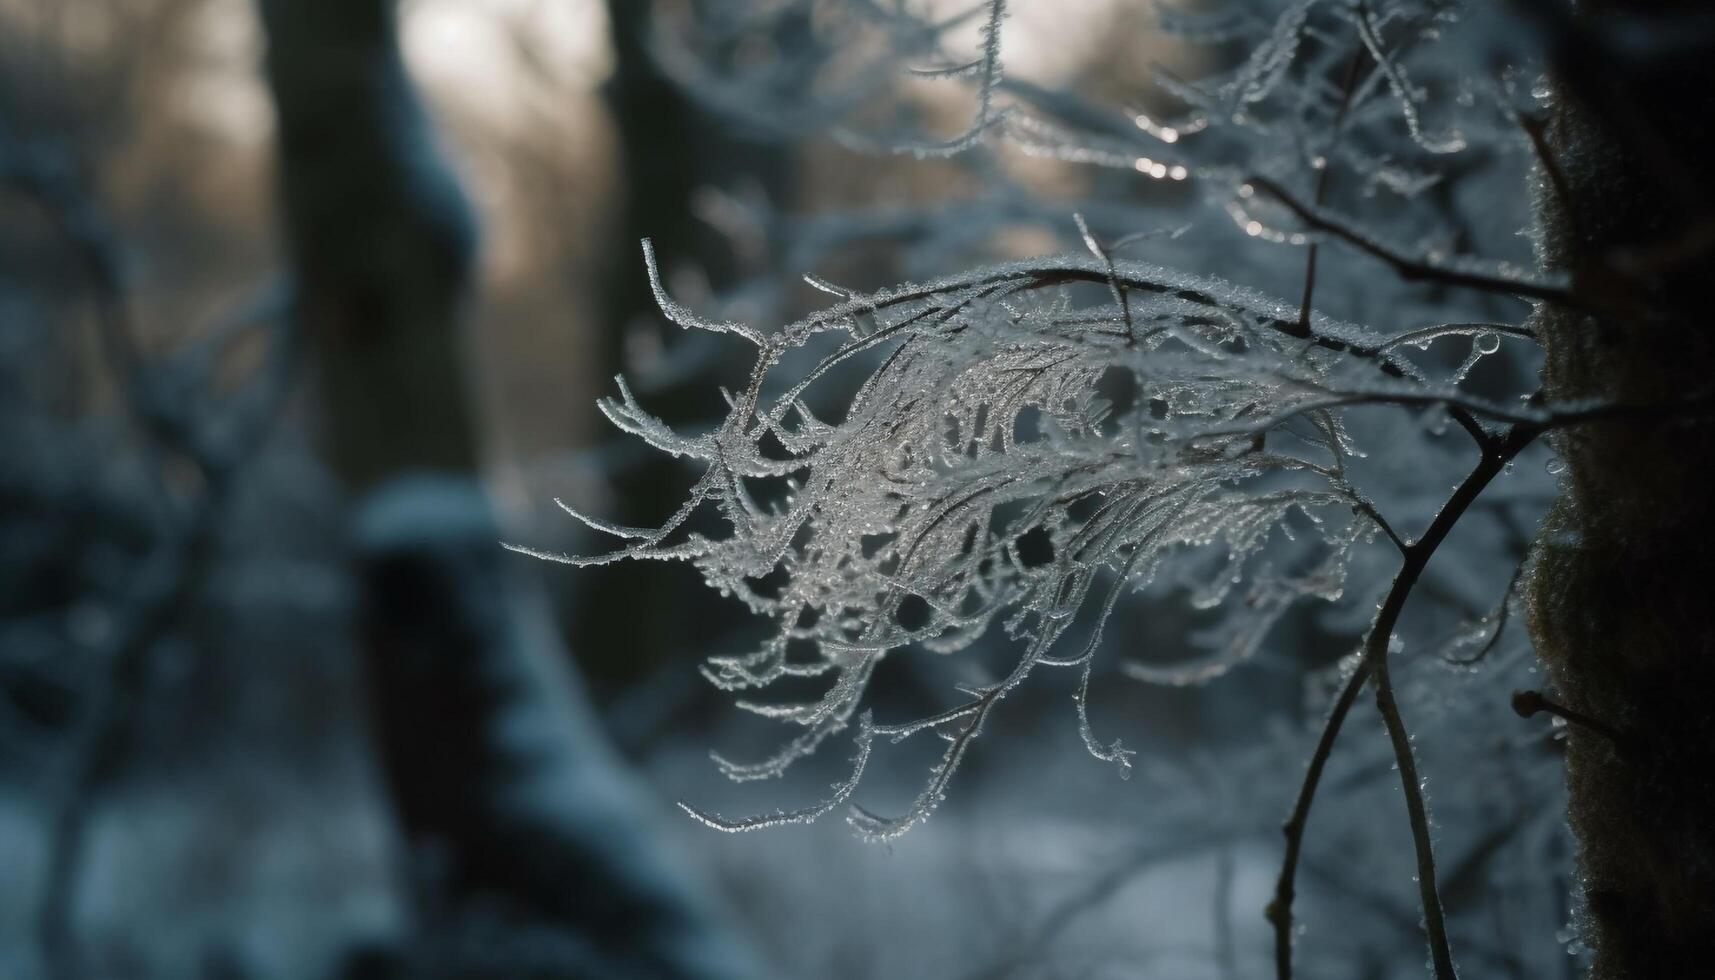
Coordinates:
<point>182,619</point>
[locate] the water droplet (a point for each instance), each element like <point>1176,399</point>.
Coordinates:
<point>1555,466</point>
<point>1488,343</point>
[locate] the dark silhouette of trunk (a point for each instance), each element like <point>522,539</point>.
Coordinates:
<point>532,852</point>
<point>669,147</point>
<point>1620,602</point>
<point>381,239</point>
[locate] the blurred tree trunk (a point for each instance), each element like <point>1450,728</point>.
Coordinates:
<point>381,239</point>
<point>1620,602</point>
<point>669,148</point>
<point>532,849</point>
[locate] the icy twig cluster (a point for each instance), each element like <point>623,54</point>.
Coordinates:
<point>1029,442</point>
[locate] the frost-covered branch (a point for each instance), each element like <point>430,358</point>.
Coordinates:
<point>1465,274</point>
<point>1004,454</point>
<point>1137,425</point>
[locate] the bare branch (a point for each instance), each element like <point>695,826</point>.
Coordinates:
<point>1373,661</point>
<point>1412,269</point>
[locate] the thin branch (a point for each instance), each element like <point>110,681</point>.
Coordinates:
<point>1423,335</point>
<point>1346,88</point>
<point>1498,620</point>
<point>988,69</point>
<point>1527,704</point>
<point>1369,33</point>
<point>1464,408</point>
<point>1122,298</point>
<point>1048,272</point>
<point>1417,813</point>
<point>1368,509</point>
<point>1418,269</point>
<point>1279,912</point>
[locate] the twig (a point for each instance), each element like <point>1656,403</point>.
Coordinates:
<point>1527,704</point>
<point>1121,297</point>
<point>1498,618</point>
<point>1346,89</point>
<point>1417,813</point>
<point>1436,331</point>
<point>1418,269</point>
<point>1279,910</point>
<point>1368,509</point>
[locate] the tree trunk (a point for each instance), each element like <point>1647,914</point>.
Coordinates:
<point>533,851</point>
<point>381,238</point>
<point>1620,605</point>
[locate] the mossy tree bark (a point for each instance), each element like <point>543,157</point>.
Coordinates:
<point>1619,599</point>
